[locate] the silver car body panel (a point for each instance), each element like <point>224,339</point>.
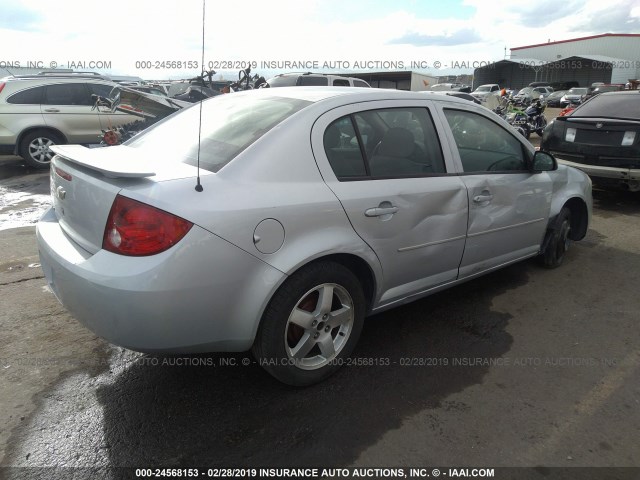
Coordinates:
<point>210,290</point>
<point>179,300</point>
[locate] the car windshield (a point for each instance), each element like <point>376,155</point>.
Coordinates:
<point>525,91</point>
<point>613,106</point>
<point>577,91</point>
<point>483,88</point>
<point>230,124</point>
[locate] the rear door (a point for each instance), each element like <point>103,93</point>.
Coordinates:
<point>21,111</point>
<point>508,206</point>
<point>384,162</point>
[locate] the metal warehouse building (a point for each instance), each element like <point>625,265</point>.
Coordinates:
<point>607,58</point>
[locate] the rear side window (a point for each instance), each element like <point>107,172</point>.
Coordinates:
<point>67,94</point>
<point>393,142</point>
<point>31,96</point>
<point>343,150</point>
<point>311,81</point>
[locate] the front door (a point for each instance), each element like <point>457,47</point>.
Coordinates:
<point>508,205</point>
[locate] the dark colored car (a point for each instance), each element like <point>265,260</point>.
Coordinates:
<point>564,85</point>
<point>602,138</point>
<point>598,89</point>
<point>553,100</point>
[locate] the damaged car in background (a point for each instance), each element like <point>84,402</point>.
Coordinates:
<point>282,217</point>
<point>146,107</point>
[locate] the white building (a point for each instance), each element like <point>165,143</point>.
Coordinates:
<point>607,58</point>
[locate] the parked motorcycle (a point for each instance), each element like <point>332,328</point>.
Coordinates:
<point>515,116</point>
<point>526,121</point>
<point>535,114</point>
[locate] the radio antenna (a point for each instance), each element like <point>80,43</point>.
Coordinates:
<point>198,185</point>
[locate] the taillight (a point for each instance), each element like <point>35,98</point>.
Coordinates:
<point>137,229</point>
<point>2,84</point>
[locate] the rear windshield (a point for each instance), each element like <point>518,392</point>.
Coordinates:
<point>230,124</point>
<point>614,106</point>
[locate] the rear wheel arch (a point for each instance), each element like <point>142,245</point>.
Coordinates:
<point>303,338</point>
<point>34,144</point>
<point>358,266</point>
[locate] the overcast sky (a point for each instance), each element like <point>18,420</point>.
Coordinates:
<point>453,33</point>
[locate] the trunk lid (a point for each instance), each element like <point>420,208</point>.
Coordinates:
<point>85,182</point>
<point>597,141</point>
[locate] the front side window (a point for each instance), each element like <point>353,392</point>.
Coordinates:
<point>311,81</point>
<point>100,89</point>
<point>385,143</point>
<point>340,83</point>
<point>484,146</point>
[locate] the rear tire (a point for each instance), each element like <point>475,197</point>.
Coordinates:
<point>559,241</point>
<point>34,148</point>
<point>543,124</point>
<point>311,324</point>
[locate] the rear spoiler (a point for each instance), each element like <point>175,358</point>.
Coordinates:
<point>118,161</point>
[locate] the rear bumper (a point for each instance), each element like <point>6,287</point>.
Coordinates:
<point>202,295</point>
<point>616,173</point>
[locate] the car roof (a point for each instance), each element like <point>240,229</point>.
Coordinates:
<point>45,79</point>
<point>622,92</point>
<point>347,94</point>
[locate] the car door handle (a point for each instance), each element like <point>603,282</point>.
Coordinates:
<point>52,110</point>
<point>379,211</point>
<point>483,198</point>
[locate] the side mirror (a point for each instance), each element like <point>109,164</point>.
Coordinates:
<point>543,162</point>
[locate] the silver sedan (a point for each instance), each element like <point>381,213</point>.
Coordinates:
<point>278,219</point>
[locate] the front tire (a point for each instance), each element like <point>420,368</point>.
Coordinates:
<point>34,148</point>
<point>311,324</point>
<point>559,241</point>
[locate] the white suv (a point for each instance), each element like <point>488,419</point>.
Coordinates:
<point>483,91</point>
<point>37,111</point>
<point>315,80</point>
